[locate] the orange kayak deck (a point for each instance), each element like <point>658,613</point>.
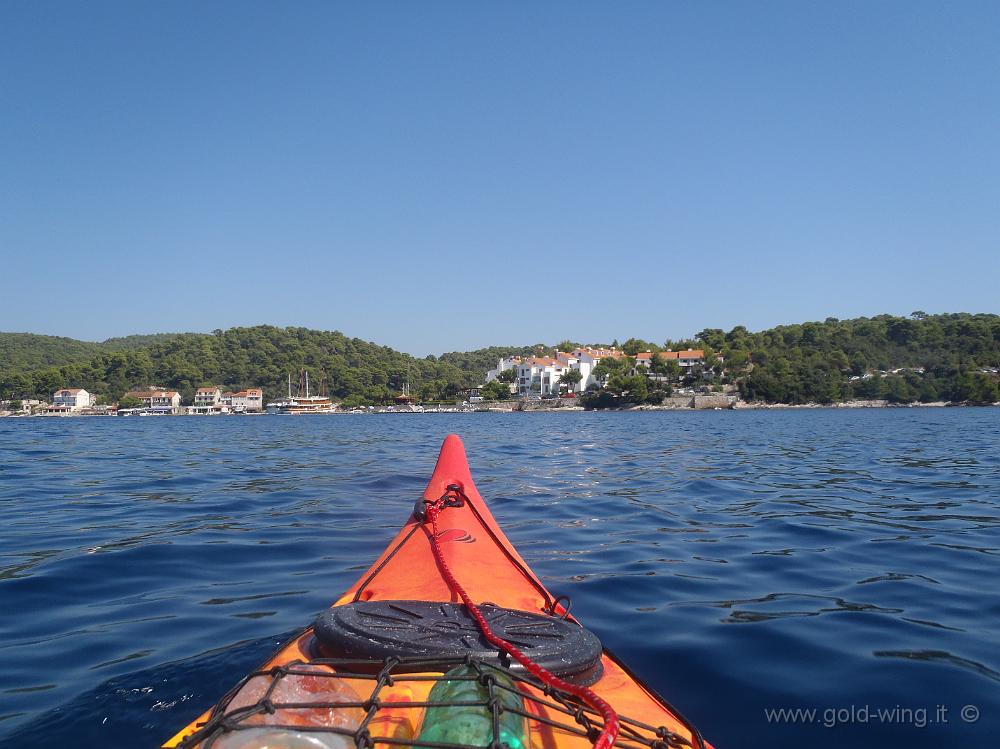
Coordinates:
<point>490,569</point>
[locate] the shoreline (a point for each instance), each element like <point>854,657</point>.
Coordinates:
<point>536,407</point>
<point>758,406</point>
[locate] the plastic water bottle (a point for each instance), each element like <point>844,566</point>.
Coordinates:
<point>276,738</point>
<point>309,683</point>
<point>472,725</point>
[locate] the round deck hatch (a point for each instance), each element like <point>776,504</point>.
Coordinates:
<point>376,630</point>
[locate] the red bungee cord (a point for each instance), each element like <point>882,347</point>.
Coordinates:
<point>609,733</point>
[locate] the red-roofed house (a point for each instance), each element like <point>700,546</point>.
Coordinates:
<point>251,399</point>
<point>538,375</point>
<point>163,401</point>
<point>690,357</point>
<point>210,396</point>
<point>207,401</point>
<point>508,362</point>
<point>687,358</point>
<point>644,358</point>
<point>72,399</point>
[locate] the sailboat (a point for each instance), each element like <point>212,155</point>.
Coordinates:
<point>303,404</point>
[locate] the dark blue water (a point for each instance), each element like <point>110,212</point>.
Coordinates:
<point>842,561</point>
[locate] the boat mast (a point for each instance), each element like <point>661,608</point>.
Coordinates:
<point>289,386</point>
<point>307,383</point>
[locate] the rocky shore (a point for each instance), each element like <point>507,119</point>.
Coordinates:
<point>704,403</point>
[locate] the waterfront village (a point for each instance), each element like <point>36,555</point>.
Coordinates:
<point>536,376</point>
<point>516,383</point>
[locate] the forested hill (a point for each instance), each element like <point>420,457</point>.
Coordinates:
<point>21,352</point>
<point>353,370</point>
<point>813,362</point>
<point>838,360</point>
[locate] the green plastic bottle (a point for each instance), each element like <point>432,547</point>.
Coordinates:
<point>472,725</point>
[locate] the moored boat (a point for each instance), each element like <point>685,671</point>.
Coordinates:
<point>303,403</point>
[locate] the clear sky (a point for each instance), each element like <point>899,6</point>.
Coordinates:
<point>444,176</point>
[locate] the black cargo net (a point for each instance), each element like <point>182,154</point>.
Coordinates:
<point>347,703</point>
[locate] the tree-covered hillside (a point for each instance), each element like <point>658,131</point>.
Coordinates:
<point>27,351</point>
<point>352,369</point>
<point>952,357</point>
<point>24,351</point>
<point>135,342</point>
<point>839,360</point>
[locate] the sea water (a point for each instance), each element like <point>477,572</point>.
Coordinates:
<point>806,577</point>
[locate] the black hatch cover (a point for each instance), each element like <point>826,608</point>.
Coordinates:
<point>376,630</point>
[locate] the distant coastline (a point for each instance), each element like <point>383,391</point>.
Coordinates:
<point>880,361</point>
<point>550,407</point>
<point>739,405</point>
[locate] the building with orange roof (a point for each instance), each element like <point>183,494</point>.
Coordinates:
<point>686,358</point>
<point>503,364</point>
<point>208,397</point>
<point>161,401</point>
<point>69,400</point>
<point>208,401</point>
<point>251,399</point>
<point>540,375</point>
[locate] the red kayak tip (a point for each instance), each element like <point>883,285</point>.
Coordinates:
<point>452,468</point>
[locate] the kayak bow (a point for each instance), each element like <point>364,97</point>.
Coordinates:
<point>370,670</point>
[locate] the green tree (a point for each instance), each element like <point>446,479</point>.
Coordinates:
<point>711,362</point>
<point>982,390</point>
<point>635,345</point>
<point>663,367</point>
<point>737,336</point>
<point>508,376</point>
<point>496,391</point>
<point>47,381</point>
<point>16,384</point>
<point>354,401</point>
<point>570,379</point>
<point>599,399</point>
<point>713,338</point>
<point>632,388</point>
<point>129,402</point>
<point>611,364</point>
<point>896,389</point>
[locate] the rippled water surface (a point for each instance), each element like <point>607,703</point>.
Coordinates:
<point>845,561</point>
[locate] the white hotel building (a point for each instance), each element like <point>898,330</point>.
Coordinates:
<point>251,399</point>
<point>540,375</point>
<point>72,398</point>
<point>685,359</point>
<point>68,401</point>
<point>211,400</point>
<point>157,399</point>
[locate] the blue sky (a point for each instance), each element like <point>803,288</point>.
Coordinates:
<point>445,176</point>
